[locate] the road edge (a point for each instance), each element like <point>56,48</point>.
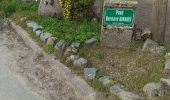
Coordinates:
<point>82,89</point>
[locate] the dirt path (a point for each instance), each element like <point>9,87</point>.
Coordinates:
<point>25,75</point>
<point>12,86</point>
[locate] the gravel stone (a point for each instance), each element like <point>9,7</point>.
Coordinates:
<point>51,40</point>
<point>154,89</point>
<point>38,32</point>
<point>167,64</point>
<point>81,62</point>
<point>23,19</point>
<point>116,89</point>
<point>165,81</point>
<point>105,80</point>
<point>45,36</point>
<point>37,27</point>
<point>89,73</point>
<point>91,42</point>
<point>60,45</point>
<point>125,95</point>
<point>31,24</point>
<point>75,45</point>
<point>72,58</point>
<point>153,47</point>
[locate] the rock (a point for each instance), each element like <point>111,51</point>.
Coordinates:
<point>74,50</point>
<point>94,19</point>
<point>90,73</point>
<point>31,24</point>
<point>125,95</point>
<point>105,80</point>
<point>153,47</point>
<point>51,40</point>
<point>50,8</point>
<point>137,36</point>
<point>60,45</point>
<point>154,89</point>
<point>44,36</point>
<point>165,81</point>
<point>81,62</point>
<point>37,27</point>
<point>116,37</point>
<point>167,56</point>
<point>75,45</point>
<point>72,58</point>
<point>38,32</point>
<point>116,89</point>
<point>146,34</point>
<point>167,64</point>
<point>69,51</point>
<point>23,19</point>
<point>147,31</point>
<point>91,42</point>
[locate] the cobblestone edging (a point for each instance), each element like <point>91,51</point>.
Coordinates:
<point>82,89</point>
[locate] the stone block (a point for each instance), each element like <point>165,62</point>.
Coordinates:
<point>81,62</point>
<point>116,89</point>
<point>38,32</point>
<point>105,80</point>
<point>44,36</point>
<point>61,45</point>
<point>116,37</point>
<point>154,90</point>
<point>37,27</point>
<point>167,64</point>
<point>90,73</point>
<point>91,42</point>
<point>125,95</point>
<point>153,47</point>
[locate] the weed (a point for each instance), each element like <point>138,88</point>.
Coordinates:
<point>97,84</point>
<point>49,48</point>
<point>167,48</point>
<point>101,72</point>
<point>100,56</point>
<point>132,46</point>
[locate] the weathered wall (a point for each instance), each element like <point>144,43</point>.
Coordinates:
<point>168,22</point>
<point>143,18</point>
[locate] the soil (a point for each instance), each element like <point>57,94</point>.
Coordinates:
<point>130,67</point>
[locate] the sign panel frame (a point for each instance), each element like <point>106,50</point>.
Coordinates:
<point>117,18</point>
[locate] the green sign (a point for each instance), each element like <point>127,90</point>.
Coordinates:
<point>119,16</point>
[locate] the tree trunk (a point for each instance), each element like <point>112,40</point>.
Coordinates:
<point>158,26</point>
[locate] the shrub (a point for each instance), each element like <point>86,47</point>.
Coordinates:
<point>9,10</point>
<point>77,9</point>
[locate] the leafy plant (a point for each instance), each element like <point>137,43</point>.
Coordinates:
<point>49,49</point>
<point>100,56</point>
<point>97,84</point>
<point>77,9</point>
<point>8,9</point>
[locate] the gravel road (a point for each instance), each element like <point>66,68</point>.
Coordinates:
<point>25,75</point>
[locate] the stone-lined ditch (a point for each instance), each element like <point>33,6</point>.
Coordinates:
<point>71,56</point>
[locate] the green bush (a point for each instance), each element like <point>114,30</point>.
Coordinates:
<point>77,9</point>
<point>9,10</point>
